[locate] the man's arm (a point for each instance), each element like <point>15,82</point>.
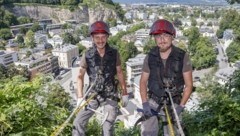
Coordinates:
<point>80,82</point>
<point>188,87</point>
<point>121,80</point>
<point>143,86</point>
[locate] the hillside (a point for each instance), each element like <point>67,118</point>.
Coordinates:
<point>83,13</point>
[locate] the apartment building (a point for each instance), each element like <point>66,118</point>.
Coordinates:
<point>8,57</point>
<point>39,64</point>
<point>142,33</point>
<point>134,67</point>
<point>66,54</point>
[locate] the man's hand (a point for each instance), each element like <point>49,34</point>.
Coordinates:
<point>146,109</point>
<point>125,100</point>
<point>80,101</point>
<point>179,109</point>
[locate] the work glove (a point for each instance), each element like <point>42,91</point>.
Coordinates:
<point>179,109</point>
<point>124,100</point>
<point>146,109</point>
<point>79,100</point>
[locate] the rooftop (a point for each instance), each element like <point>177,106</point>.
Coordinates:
<point>64,48</point>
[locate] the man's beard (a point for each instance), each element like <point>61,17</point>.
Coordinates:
<point>164,49</point>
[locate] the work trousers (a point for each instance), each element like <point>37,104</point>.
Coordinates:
<point>150,127</point>
<point>82,118</point>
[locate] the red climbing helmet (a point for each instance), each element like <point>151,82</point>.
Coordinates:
<point>99,27</point>
<point>162,26</point>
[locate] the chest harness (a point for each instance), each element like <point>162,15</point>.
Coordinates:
<point>166,76</point>
<point>105,68</point>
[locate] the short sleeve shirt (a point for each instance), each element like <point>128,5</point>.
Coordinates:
<point>187,65</point>
<point>83,62</point>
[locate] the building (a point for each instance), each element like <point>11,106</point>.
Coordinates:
<point>66,54</point>
<point>142,33</point>
<point>223,75</point>
<point>134,67</point>
<point>40,38</point>
<point>140,44</point>
<point>39,64</point>
<point>206,31</point>
<point>142,15</point>
<point>12,46</point>
<point>87,42</point>
<point>55,40</point>
<point>8,57</point>
<point>228,37</point>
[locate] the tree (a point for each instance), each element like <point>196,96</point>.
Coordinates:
<point>23,30</point>
<point>68,38</point>
<point>233,52</point>
<point>81,48</point>
<point>193,37</point>
<point>149,45</point>
<point>193,22</point>
<point>177,22</point>
<point>127,50</point>
<point>112,22</point>
<point>29,40</point>
<point>5,33</point>
<point>10,19</point>
<point>35,27</point>
<point>24,20</point>
<point>233,1</point>
<point>84,30</point>
<point>20,39</point>
<point>32,108</point>
<point>182,45</point>
<point>218,112</point>
<point>204,55</point>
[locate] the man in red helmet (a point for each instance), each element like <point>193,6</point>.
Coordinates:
<point>165,67</point>
<point>102,63</point>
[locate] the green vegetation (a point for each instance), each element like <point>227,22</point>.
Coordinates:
<point>230,20</point>
<point>29,39</point>
<point>219,110</point>
<point>32,108</point>
<point>200,48</point>
<point>233,51</point>
<point>126,49</point>
<point>149,45</point>
<point>81,48</point>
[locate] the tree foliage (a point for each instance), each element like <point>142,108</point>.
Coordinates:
<point>230,20</point>
<point>81,48</point>
<point>193,37</point>
<point>32,108</point>
<point>84,30</point>
<point>204,56</point>
<point>149,45</point>
<point>233,1</point>
<point>219,110</point>
<point>68,38</point>
<point>233,51</point>
<point>29,39</point>
<point>5,33</point>
<point>127,50</point>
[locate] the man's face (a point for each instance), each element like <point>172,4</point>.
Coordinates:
<point>163,41</point>
<point>100,39</point>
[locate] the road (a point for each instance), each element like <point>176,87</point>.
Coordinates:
<point>221,57</point>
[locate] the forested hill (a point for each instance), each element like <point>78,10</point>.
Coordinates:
<point>54,2</point>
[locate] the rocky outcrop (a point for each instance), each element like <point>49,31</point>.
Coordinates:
<point>58,15</point>
<point>101,13</point>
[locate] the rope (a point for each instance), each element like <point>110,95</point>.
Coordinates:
<point>60,128</point>
<point>170,125</point>
<point>175,114</point>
